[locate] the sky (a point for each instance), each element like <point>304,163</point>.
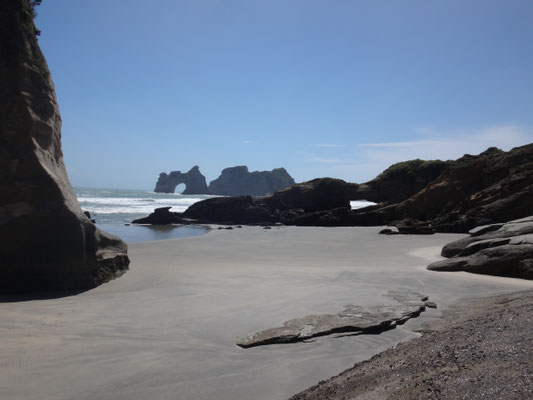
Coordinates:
<point>339,88</point>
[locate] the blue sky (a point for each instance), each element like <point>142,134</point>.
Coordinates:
<point>322,88</point>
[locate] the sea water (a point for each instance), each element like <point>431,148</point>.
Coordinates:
<point>115,209</point>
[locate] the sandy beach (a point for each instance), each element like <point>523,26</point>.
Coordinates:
<point>167,329</point>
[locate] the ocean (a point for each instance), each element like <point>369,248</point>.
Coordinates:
<point>113,209</point>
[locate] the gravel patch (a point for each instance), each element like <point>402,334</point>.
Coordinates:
<point>480,349</point>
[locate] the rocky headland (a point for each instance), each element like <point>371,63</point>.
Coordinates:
<point>415,196</point>
<point>48,243</point>
<point>233,181</point>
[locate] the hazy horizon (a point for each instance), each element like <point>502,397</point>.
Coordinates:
<point>341,90</point>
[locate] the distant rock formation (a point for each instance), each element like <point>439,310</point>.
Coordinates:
<point>46,242</point>
<point>416,196</point>
<point>238,181</point>
<point>233,181</point>
<point>496,249</point>
<point>193,179</point>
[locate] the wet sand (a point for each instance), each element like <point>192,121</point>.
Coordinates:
<point>167,328</point>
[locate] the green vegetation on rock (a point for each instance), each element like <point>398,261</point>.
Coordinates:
<point>410,170</point>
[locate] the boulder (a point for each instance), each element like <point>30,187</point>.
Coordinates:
<point>193,179</point>
<point>238,181</point>
<point>506,251</point>
<point>160,216</point>
<point>231,211</point>
<point>508,260</point>
<point>47,242</point>
<point>389,231</point>
<point>315,195</point>
<point>512,228</point>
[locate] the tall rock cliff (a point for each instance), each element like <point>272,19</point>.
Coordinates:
<point>238,181</point>
<point>193,179</point>
<point>46,242</point>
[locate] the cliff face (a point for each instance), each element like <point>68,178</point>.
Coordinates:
<point>193,179</point>
<point>46,240</point>
<point>238,181</point>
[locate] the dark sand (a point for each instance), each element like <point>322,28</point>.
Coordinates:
<point>167,329</point>
<point>481,349</point>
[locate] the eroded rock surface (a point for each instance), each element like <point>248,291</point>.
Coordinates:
<point>497,249</point>
<point>353,318</point>
<point>46,241</point>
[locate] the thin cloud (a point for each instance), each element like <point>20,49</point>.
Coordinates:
<point>325,160</point>
<point>248,141</point>
<point>327,145</point>
<point>373,158</point>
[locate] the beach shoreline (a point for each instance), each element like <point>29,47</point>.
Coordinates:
<point>171,323</point>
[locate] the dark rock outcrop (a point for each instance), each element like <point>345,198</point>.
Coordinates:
<point>316,195</point>
<point>353,318</point>
<point>506,251</point>
<point>418,197</point>
<point>238,181</point>
<point>47,243</point>
<point>455,196</point>
<point>160,216</point>
<point>401,181</point>
<point>231,210</point>
<point>193,179</point>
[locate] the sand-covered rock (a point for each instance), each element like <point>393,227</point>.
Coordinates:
<point>353,318</point>
<point>46,241</point>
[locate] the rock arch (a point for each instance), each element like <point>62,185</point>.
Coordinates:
<point>193,179</point>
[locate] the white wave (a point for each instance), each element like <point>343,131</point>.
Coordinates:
<point>112,205</point>
<point>355,204</point>
<point>145,209</point>
<point>119,201</point>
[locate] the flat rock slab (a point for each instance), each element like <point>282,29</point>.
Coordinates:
<point>353,318</point>
<point>505,251</point>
